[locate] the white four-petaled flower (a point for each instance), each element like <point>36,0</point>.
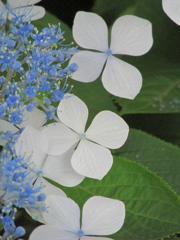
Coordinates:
<point>100,216</point>
<point>91,157</point>
<point>130,35</point>
<point>22,7</point>
<point>172,9</point>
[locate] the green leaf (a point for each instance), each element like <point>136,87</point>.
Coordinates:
<point>160,157</point>
<point>152,208</point>
<point>160,90</point>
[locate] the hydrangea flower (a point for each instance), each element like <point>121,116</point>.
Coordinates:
<point>172,9</point>
<point>91,157</point>
<point>130,35</point>
<point>20,7</point>
<point>32,143</point>
<point>100,216</point>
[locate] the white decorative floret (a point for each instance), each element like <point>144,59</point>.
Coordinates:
<point>130,35</point>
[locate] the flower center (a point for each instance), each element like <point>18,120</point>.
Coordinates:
<point>80,233</point>
<point>82,135</point>
<point>109,52</point>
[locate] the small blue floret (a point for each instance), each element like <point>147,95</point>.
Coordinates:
<point>109,52</point>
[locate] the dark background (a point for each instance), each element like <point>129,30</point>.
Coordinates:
<point>66,9</point>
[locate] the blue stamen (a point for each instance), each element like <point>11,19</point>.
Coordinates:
<point>109,52</point>
<point>80,233</point>
<point>82,135</point>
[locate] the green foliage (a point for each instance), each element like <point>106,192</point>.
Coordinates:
<point>152,208</point>
<point>159,156</point>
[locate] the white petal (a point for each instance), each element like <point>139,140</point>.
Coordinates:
<point>2,6</point>
<point>172,9</point>
<point>90,31</point>
<point>131,35</point>
<point>7,126</point>
<point>4,127</point>
<point>121,79</point>
<point>73,112</point>
<point>108,129</point>
<point>90,65</point>
<point>32,12</point>
<point>91,160</point>
<point>102,216</point>
<point>32,144</point>
<point>60,138</point>
<point>48,189</point>
<point>36,215</point>
<point>59,169</point>
<point>63,213</point>
<point>21,3</point>
<point>47,232</point>
<point>36,118</point>
<point>95,238</point>
<point>3,11</point>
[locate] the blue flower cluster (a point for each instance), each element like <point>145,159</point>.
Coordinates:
<point>16,187</point>
<point>36,59</point>
<point>33,73</point>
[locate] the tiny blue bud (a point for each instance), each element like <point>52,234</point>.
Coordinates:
<point>20,231</point>
<point>73,67</point>
<point>16,65</point>
<point>11,43</point>
<point>30,107</point>
<point>41,197</point>
<point>32,199</point>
